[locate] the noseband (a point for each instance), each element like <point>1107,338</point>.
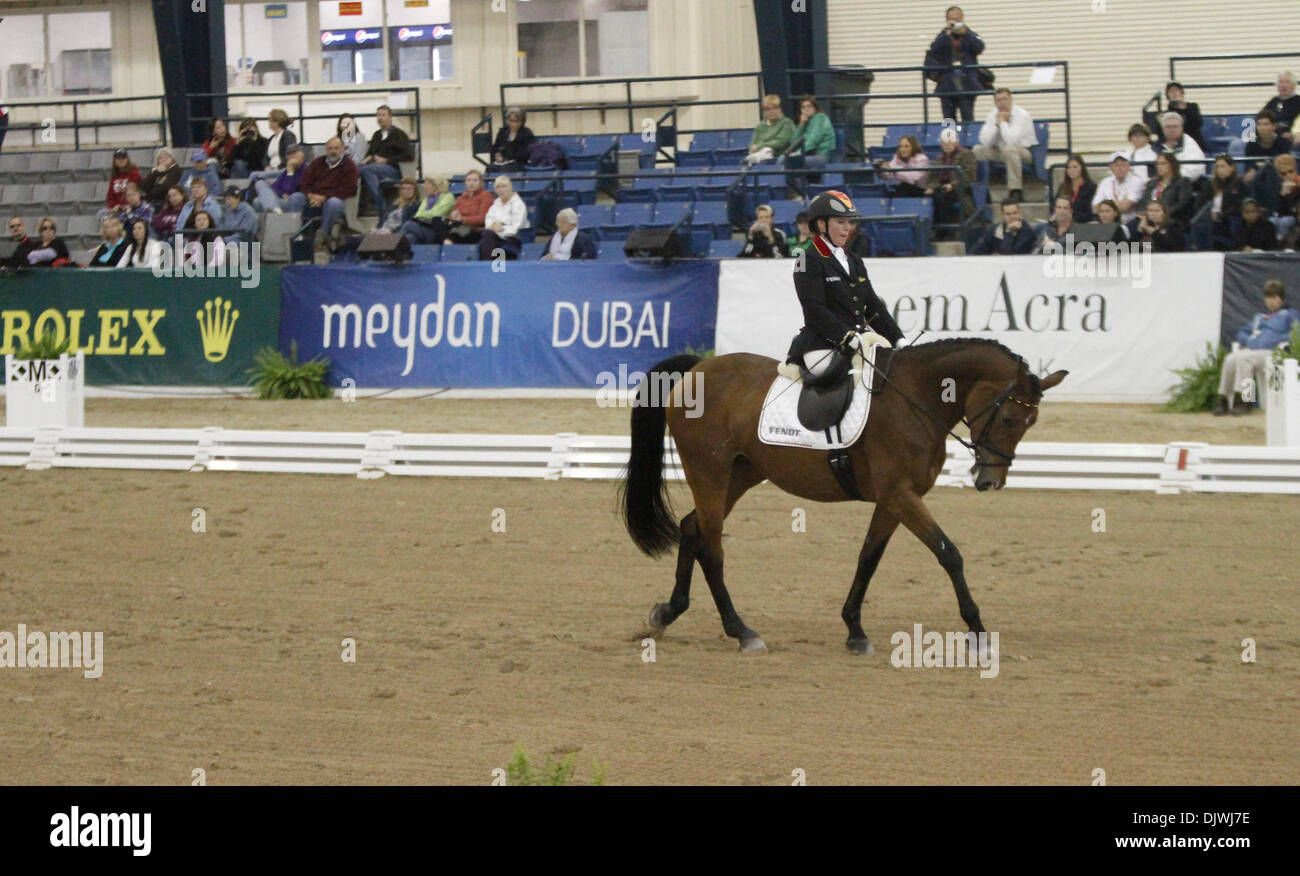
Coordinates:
<point>981,441</point>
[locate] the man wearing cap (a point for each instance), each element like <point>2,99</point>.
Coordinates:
<point>389,145</point>
<point>273,196</point>
<point>1123,186</point>
<point>240,218</point>
<point>834,291</point>
<point>201,170</point>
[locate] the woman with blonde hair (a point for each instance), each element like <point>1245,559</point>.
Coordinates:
<point>429,224</point>
<point>404,206</point>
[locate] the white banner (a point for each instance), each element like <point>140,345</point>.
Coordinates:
<point>1120,337</point>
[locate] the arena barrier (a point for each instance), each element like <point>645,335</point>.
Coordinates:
<point>1180,467</point>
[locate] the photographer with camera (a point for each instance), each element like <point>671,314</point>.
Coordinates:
<point>249,153</point>
<point>954,61</point>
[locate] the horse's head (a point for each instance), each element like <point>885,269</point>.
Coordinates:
<point>999,416</point>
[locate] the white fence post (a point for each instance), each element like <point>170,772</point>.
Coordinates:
<point>378,455</point>
<point>560,455</point>
<point>1282,403</point>
<point>1179,474</point>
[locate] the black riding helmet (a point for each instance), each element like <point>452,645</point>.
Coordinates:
<point>830,204</point>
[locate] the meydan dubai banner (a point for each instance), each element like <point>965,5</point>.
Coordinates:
<point>1120,334</point>
<point>508,324</point>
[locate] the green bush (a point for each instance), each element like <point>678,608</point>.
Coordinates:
<point>1292,349</point>
<point>44,347</point>
<point>1199,387</point>
<point>275,376</point>
<point>521,771</point>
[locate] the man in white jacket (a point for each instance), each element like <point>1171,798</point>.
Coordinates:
<point>1007,136</point>
<point>505,217</point>
<point>1188,152</point>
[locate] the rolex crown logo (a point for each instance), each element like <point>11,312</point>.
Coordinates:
<point>216,326</point>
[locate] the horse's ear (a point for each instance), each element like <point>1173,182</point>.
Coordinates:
<point>1052,379</point>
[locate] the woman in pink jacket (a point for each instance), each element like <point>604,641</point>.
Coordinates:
<point>909,183</point>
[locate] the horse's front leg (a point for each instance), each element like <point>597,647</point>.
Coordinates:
<point>882,527</point>
<point>913,514</point>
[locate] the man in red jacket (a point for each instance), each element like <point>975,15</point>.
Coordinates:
<point>326,183</point>
<point>470,214</point>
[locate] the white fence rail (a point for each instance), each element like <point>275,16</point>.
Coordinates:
<point>1162,468</point>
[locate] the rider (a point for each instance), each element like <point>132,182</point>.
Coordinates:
<point>834,291</point>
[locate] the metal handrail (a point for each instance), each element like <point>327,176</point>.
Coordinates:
<point>77,124</point>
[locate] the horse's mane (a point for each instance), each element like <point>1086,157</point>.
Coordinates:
<point>945,344</point>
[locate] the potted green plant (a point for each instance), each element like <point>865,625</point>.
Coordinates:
<point>45,385</point>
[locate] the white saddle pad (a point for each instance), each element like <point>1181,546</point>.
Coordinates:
<point>779,421</point>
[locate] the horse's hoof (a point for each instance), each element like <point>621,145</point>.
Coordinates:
<point>753,645</point>
<point>860,646</point>
<point>656,621</point>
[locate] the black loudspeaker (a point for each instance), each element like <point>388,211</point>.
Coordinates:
<point>653,243</point>
<point>381,246</point>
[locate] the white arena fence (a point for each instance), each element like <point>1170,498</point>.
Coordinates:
<point>1179,467</point>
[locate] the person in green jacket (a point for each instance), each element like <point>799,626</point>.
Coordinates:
<point>773,135</point>
<point>816,131</point>
<point>429,224</point>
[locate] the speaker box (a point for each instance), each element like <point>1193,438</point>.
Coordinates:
<point>381,246</point>
<point>653,243</point>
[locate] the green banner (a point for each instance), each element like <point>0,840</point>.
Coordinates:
<point>138,328</point>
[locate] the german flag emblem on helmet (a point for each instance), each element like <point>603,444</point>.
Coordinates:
<point>831,204</point>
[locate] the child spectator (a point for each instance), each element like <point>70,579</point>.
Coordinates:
<point>1264,331</point>
<point>1255,233</point>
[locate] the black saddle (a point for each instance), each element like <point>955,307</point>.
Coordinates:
<point>823,401</point>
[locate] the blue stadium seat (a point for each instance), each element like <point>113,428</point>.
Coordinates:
<point>671,212</point>
<point>894,133</point>
<point>597,144</point>
<point>695,158</point>
<point>459,252</point>
<point>872,205</point>
<point>709,140</point>
<point>725,249</point>
<point>783,212</point>
<point>426,253</point>
<point>682,189</point>
<point>578,191</point>
<point>923,207</point>
<point>531,252</point>
<point>897,237</point>
<point>713,216</point>
<point>627,216</point>
<point>730,156</point>
<point>595,216</point>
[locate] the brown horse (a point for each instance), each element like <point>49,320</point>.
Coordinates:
<point>921,393</point>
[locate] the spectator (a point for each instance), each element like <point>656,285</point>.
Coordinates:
<point>1285,105</point>
<point>1255,233</point>
<point>404,207</point>
<point>162,176</point>
<point>953,59</point>
<point>1291,240</point>
<point>953,200</point>
<point>136,207</point>
<point>908,183</point>
<point>805,235</point>
<point>568,243</point>
<point>466,220</point>
<point>1190,112</point>
<point>326,183</point>
<point>1189,154</point>
<point>1154,229</point>
<point>1171,189</point>
<point>1079,188</point>
<point>389,146</point>
<point>1123,187</point>
<point>354,142</point>
<point>764,241</point>
<point>124,173</point>
<point>1281,186</point>
<point>1107,211</point>
<point>814,134</point>
<point>18,234</point>
<point>1011,236</point>
<point>248,155</point>
<point>206,247</point>
<point>218,147</point>
<point>506,216</point>
<point>1050,239</point>
<point>1224,195</point>
<point>50,252</point>
<point>429,224</point>
<point>202,170</point>
<point>773,135</point>
<point>239,217</point>
<point>1265,331</point>
<point>140,251</point>
<point>200,201</point>
<point>277,146</point>
<point>1268,141</point>
<point>110,251</point>
<point>1140,153</point>
<point>273,195</point>
<point>1007,136</point>
<point>510,149</point>
<point>164,221</point>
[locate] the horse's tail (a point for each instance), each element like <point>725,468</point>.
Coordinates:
<point>647,512</point>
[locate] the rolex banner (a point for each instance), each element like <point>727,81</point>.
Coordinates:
<point>139,329</point>
<point>1119,327</point>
